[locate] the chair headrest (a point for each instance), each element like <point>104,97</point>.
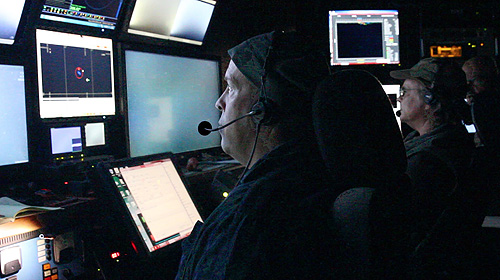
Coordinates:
<point>357,131</point>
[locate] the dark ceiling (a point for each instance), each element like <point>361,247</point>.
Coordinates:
<point>234,21</point>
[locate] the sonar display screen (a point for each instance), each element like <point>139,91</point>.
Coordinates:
<point>75,72</point>
<point>75,75</point>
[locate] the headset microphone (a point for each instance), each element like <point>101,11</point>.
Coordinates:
<point>205,128</point>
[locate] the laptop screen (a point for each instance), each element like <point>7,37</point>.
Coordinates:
<point>156,199</point>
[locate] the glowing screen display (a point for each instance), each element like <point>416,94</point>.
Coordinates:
<point>157,202</point>
<point>167,97</point>
<point>364,37</point>
<point>10,15</point>
<point>13,126</point>
<point>95,13</point>
<point>180,20</point>
<point>75,75</point>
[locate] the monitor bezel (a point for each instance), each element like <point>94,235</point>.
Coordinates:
<point>37,68</point>
<point>21,172</point>
<point>81,28</point>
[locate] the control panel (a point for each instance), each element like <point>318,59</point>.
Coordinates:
<point>35,255</point>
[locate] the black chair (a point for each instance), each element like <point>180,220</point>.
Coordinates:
<point>362,147</point>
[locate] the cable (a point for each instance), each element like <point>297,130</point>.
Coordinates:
<point>251,155</point>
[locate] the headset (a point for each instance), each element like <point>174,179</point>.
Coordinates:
<point>266,106</point>
<point>262,111</point>
<point>443,84</point>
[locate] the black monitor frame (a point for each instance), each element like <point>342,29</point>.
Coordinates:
<point>79,27</point>
<point>364,37</point>
<point>23,171</point>
<point>132,236</point>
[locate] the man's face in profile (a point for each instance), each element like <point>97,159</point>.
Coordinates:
<point>236,101</point>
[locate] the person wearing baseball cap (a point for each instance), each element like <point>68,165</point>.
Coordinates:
<point>438,151</point>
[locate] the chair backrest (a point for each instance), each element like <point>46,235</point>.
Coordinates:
<point>363,150</point>
<point>352,221</point>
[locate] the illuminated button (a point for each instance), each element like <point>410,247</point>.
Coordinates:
<point>47,273</point>
<point>46,266</point>
<point>41,248</point>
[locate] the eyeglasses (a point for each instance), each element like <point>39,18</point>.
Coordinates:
<point>403,91</point>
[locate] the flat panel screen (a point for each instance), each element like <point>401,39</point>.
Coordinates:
<point>10,15</point>
<point>94,134</point>
<point>95,13</point>
<point>167,98</point>
<point>66,140</point>
<point>156,199</point>
<point>13,126</point>
<point>364,37</point>
<point>75,75</point>
<point>180,20</point>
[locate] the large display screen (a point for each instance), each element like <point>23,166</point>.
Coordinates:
<point>156,200</point>
<point>13,126</point>
<point>364,37</point>
<point>167,97</point>
<point>75,75</point>
<point>95,13</point>
<point>180,20</point>
<point>10,16</point>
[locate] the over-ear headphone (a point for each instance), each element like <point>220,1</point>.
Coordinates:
<point>429,97</point>
<point>265,106</point>
<point>445,82</point>
<point>291,69</point>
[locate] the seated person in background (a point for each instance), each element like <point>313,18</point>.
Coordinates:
<point>482,75</point>
<point>277,222</point>
<point>484,97</point>
<point>439,150</point>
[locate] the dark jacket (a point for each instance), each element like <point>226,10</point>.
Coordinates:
<point>437,164</point>
<point>486,117</point>
<point>275,225</point>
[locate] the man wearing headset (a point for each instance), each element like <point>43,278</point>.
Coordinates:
<point>438,150</point>
<point>274,224</point>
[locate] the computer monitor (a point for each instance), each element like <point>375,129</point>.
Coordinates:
<point>364,37</point>
<point>153,198</point>
<point>94,13</point>
<point>66,140</point>
<point>167,97</point>
<point>75,75</point>
<point>78,141</point>
<point>10,16</point>
<point>179,20</point>
<point>13,120</point>
<point>392,92</point>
